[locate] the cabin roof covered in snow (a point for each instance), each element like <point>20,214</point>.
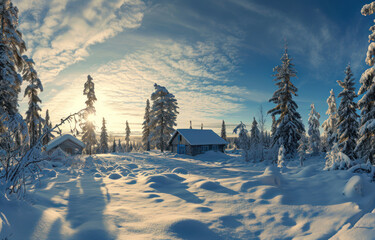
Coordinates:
<point>199,137</point>
<point>59,140</point>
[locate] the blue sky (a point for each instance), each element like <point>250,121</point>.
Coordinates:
<point>215,56</point>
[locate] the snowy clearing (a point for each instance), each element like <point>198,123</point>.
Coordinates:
<point>212,196</point>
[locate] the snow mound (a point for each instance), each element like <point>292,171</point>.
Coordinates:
<point>159,181</point>
<point>190,229</point>
<point>115,176</point>
<point>180,170</point>
<point>354,187</point>
<point>216,187</point>
<point>306,172</point>
<point>271,176</point>
<point>209,185</point>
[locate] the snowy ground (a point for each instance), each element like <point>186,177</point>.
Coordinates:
<point>212,196</point>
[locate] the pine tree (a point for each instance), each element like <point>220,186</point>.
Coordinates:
<point>347,127</point>
<point>88,127</point>
<point>114,147</point>
<point>223,131</point>
<point>119,147</point>
<point>46,129</point>
<point>242,140</point>
<point>12,125</point>
<point>365,145</point>
<point>33,118</point>
<point>104,139</point>
<point>330,125</point>
<point>127,138</point>
<point>314,133</point>
<point>254,133</point>
<point>288,127</point>
<point>146,128</point>
<point>163,116</point>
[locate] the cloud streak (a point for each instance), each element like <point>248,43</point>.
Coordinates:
<point>59,33</point>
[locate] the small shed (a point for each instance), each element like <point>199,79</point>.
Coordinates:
<point>196,141</point>
<point>67,143</point>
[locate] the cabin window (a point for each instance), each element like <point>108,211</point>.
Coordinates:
<point>179,138</point>
<point>215,148</point>
<point>204,148</point>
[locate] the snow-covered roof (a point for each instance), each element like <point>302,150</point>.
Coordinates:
<point>59,140</point>
<point>199,137</point>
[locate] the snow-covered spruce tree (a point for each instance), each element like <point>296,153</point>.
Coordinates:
<point>88,127</point>
<point>223,131</point>
<point>243,141</point>
<point>33,118</point>
<point>347,126</point>
<point>330,125</point>
<point>114,147</point>
<point>163,116</point>
<point>127,138</point>
<point>146,128</point>
<point>314,133</point>
<point>302,148</point>
<point>255,144</point>
<point>119,149</point>
<point>365,145</point>
<point>104,139</point>
<point>47,126</point>
<point>254,133</point>
<point>288,126</point>
<point>13,129</point>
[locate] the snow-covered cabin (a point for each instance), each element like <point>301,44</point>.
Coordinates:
<point>67,143</point>
<point>195,141</point>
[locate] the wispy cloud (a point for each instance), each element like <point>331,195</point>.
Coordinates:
<point>60,32</point>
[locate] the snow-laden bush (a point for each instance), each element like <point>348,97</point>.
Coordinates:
<point>336,160</point>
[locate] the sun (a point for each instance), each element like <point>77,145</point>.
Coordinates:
<point>91,118</point>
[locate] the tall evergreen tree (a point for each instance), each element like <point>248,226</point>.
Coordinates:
<point>146,128</point>
<point>314,133</point>
<point>33,118</point>
<point>104,138</point>
<point>288,126</point>
<point>347,126</point>
<point>88,127</point>
<point>12,125</point>
<point>163,116</point>
<point>254,133</point>
<point>114,147</point>
<point>223,131</point>
<point>127,138</point>
<point>365,145</point>
<point>119,149</point>
<point>330,125</point>
<point>46,129</point>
